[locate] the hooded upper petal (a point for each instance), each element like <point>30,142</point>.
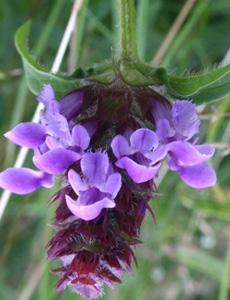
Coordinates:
<point>57,126</point>
<point>120,146</point>
<point>46,95</point>
<point>112,185</point>
<point>199,176</point>
<point>185,118</point>
<point>27,134</point>
<point>56,161</point>
<point>56,123</point>
<point>161,109</point>
<point>138,173</point>
<point>143,140</point>
<point>80,137</point>
<point>164,130</point>
<point>95,167</point>
<point>76,182</point>
<point>23,180</point>
<point>70,105</point>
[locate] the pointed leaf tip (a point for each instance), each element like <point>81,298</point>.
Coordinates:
<point>37,75</point>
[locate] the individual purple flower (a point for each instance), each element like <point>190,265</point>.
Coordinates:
<point>56,124</point>
<point>138,154</point>
<point>176,129</point>
<point>97,188</point>
<point>58,158</point>
<point>179,122</point>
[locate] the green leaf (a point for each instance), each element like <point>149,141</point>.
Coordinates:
<point>206,84</point>
<point>37,75</point>
<point>201,88</point>
<point>216,91</point>
<point>206,87</point>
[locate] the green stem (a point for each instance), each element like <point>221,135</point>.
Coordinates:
<point>127,30</point>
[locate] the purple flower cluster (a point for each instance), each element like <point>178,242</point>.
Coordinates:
<point>58,147</point>
<point>107,165</point>
<point>140,152</point>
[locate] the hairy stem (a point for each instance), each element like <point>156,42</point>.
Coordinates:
<point>127,30</point>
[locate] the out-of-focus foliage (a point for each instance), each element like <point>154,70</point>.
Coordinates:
<point>186,255</point>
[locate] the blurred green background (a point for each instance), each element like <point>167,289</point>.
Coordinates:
<point>187,254</point>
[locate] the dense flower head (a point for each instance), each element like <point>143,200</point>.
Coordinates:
<point>107,145</point>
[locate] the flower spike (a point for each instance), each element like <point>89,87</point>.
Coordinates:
<point>108,165</point>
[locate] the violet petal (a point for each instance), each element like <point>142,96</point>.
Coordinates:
<point>137,172</point>
<point>70,105</point>
<point>88,212</point>
<point>28,134</point>
<point>22,180</point>
<point>143,140</point>
<point>56,161</point>
<point>157,155</point>
<point>199,176</point>
<point>52,143</point>
<point>76,182</point>
<point>46,95</point>
<point>185,118</point>
<point>113,185</point>
<point>95,167</point>
<point>120,146</point>
<point>57,126</point>
<point>164,130</point>
<point>186,154</point>
<point>206,149</point>
<point>91,127</point>
<point>161,110</point>
<point>80,137</point>
<point>47,180</point>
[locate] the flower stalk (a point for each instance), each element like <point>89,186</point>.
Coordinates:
<point>127,30</point>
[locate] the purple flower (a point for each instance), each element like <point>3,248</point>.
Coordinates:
<point>56,142</point>
<point>138,154</point>
<point>96,190</point>
<point>176,130</point>
<point>141,152</point>
<point>180,122</point>
<point>56,124</point>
